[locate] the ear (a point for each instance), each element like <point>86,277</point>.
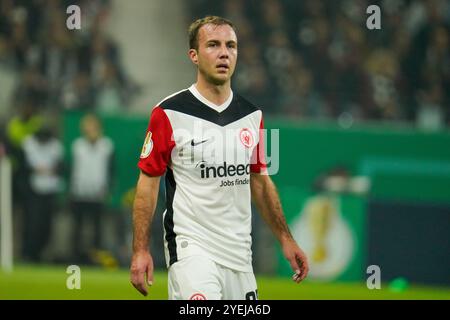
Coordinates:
<point>193,56</point>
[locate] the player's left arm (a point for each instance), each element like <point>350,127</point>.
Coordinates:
<point>266,199</point>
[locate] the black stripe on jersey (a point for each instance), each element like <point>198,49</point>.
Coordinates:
<point>168,218</point>
<point>186,102</point>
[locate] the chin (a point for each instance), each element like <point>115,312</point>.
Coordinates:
<point>216,78</point>
<point>219,80</point>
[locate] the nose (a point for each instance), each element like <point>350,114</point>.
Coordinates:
<point>223,52</point>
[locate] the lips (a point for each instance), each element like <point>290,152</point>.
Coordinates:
<point>222,66</point>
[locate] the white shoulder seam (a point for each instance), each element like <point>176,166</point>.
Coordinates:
<point>168,97</point>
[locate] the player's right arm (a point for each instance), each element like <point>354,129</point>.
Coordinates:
<point>143,211</point>
<point>154,159</point>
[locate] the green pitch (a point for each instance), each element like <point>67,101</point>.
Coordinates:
<point>49,282</point>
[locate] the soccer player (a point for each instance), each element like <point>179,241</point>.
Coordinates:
<point>207,141</point>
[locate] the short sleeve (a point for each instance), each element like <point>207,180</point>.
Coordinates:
<point>258,163</point>
<point>158,144</point>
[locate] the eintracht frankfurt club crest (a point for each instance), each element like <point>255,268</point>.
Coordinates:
<point>246,138</point>
<point>197,296</point>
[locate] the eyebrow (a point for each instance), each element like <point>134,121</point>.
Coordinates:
<point>218,41</point>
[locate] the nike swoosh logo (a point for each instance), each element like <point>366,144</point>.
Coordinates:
<point>193,143</point>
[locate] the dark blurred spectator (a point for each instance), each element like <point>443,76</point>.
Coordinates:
<point>32,86</point>
<point>91,178</point>
<point>8,76</point>
<point>383,75</point>
<point>44,159</point>
<point>79,93</point>
<point>430,113</point>
<point>101,52</point>
<point>301,100</point>
<point>21,126</point>
<point>253,80</point>
<point>20,41</point>
<point>55,60</point>
<point>109,91</point>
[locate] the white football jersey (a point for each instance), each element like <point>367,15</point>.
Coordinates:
<point>207,153</point>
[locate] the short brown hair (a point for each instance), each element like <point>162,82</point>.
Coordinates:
<point>196,25</point>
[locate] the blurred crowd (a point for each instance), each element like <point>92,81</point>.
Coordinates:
<point>46,69</point>
<point>298,59</point>
<point>56,68</point>
<point>317,59</point>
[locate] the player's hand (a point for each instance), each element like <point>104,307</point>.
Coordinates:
<point>141,268</point>
<point>297,259</point>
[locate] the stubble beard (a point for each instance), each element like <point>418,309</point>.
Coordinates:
<point>211,78</point>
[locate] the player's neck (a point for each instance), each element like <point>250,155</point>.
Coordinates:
<point>217,94</point>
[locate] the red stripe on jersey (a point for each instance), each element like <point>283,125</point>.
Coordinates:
<point>155,163</point>
<point>258,162</point>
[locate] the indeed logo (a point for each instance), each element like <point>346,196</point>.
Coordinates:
<point>222,171</point>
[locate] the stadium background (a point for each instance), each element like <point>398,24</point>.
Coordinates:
<point>363,117</point>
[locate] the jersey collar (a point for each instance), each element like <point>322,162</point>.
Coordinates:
<point>218,108</point>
